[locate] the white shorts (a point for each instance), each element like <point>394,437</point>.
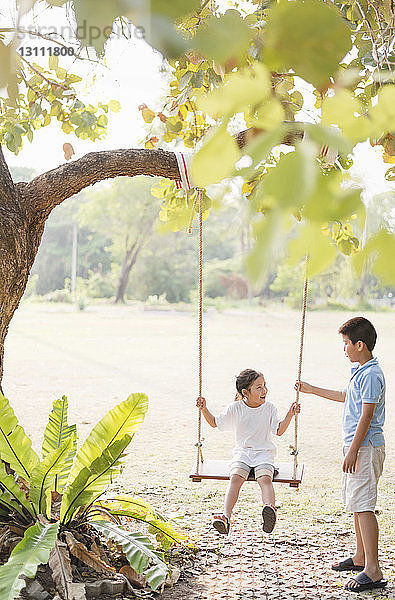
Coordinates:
<point>242,469</point>
<point>360,488</point>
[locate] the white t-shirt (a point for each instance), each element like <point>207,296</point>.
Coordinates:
<point>252,428</point>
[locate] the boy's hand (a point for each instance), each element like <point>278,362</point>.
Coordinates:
<point>350,462</point>
<point>294,408</point>
<point>304,387</point>
<point>201,402</point>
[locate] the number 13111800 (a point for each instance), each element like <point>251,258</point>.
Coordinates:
<point>46,51</point>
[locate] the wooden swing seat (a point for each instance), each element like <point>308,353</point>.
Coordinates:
<point>219,470</point>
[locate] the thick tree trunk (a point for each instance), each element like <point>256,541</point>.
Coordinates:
<point>18,249</point>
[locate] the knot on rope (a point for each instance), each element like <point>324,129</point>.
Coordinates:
<point>293,451</point>
<point>199,444</point>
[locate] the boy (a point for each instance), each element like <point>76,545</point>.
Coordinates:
<point>364,450</point>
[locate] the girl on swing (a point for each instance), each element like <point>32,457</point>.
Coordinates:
<point>252,420</point>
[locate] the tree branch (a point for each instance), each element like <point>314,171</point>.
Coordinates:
<point>48,190</point>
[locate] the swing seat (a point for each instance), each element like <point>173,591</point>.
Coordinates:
<point>219,470</point>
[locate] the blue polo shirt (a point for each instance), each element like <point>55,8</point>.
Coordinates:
<point>367,385</point>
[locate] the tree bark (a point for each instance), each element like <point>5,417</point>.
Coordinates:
<point>25,207</point>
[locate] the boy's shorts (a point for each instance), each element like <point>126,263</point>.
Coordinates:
<point>360,488</point>
<point>242,469</point>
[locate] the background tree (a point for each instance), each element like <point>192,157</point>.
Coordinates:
<point>125,212</point>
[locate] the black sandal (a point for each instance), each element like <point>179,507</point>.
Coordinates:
<point>269,518</point>
<point>365,583</point>
<point>347,565</point>
<point>222,524</point>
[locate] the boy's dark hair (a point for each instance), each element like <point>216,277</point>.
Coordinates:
<point>244,381</point>
<point>359,329</point>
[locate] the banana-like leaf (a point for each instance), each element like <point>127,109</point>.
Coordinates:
<point>123,419</point>
<point>60,564</point>
<point>124,506</point>
<point>15,446</point>
<point>34,549</point>
<point>56,433</point>
<point>139,551</point>
<point>42,480</point>
<point>92,480</point>
<point>10,490</point>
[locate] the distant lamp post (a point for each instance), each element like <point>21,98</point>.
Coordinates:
<point>74,260</point>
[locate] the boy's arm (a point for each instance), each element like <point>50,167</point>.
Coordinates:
<point>201,403</point>
<point>307,388</point>
<point>283,425</point>
<point>350,460</point>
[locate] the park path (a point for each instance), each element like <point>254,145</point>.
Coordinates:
<point>249,565</point>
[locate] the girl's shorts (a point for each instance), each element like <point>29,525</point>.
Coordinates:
<point>242,469</point>
<point>360,488</point>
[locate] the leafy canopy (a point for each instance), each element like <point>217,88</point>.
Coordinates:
<point>243,68</point>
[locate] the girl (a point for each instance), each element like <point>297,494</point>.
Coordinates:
<point>252,420</point>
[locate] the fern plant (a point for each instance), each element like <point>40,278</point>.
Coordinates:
<point>53,502</point>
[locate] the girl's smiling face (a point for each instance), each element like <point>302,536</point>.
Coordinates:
<point>256,395</point>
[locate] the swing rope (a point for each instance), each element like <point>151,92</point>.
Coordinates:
<point>199,444</point>
<point>199,457</point>
<point>294,448</point>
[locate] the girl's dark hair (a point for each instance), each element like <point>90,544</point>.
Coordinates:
<point>360,329</point>
<point>245,380</point>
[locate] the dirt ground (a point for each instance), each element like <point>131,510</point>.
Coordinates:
<point>99,356</point>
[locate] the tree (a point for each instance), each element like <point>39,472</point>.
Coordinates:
<point>125,212</point>
<point>227,68</point>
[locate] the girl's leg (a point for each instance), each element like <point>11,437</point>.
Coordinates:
<point>267,489</point>
<point>232,493</point>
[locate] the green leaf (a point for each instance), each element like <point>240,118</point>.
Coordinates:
<point>125,418</point>
<point>42,480</point>
<point>92,480</point>
<point>309,37</point>
<point>241,89</point>
<point>310,240</point>
<point>216,159</point>
<point>175,9</point>
<point>340,110</point>
<point>331,202</point>
<point>328,136</point>
<point>223,37</point>
<point>15,446</point>
<point>378,250</point>
<point>390,174</point>
<point>34,549</point>
<point>12,495</point>
<point>138,549</point>
<point>259,149</point>
<point>270,233</point>
<point>53,62</point>
<point>56,433</point>
<point>269,115</point>
<point>126,506</point>
<point>291,183</point>
<point>383,114</point>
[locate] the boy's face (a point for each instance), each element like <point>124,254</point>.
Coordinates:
<point>352,351</point>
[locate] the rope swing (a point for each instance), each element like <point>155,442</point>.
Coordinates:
<point>219,469</point>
